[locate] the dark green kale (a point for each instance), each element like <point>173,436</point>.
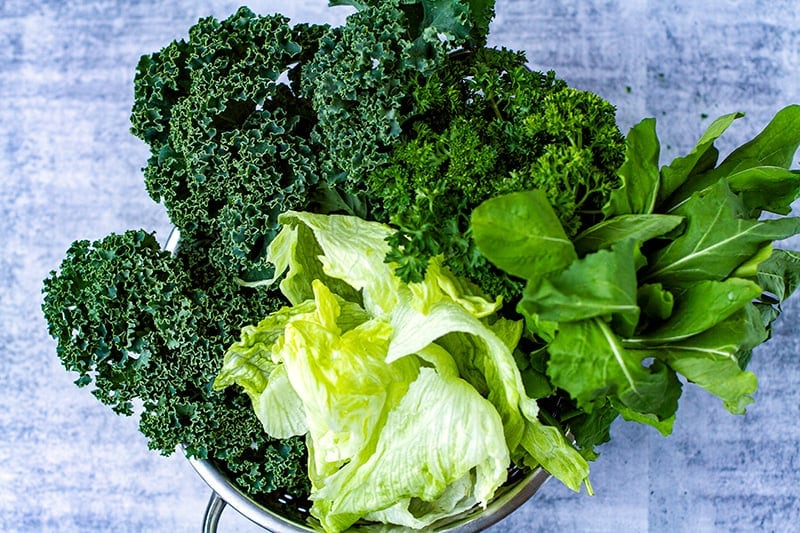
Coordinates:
<point>362,77</point>
<point>462,22</point>
<point>251,117</point>
<point>149,329</point>
<point>229,134</point>
<point>486,126</point>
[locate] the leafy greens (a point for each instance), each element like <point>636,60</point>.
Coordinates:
<point>681,278</point>
<point>358,366</point>
<point>439,263</point>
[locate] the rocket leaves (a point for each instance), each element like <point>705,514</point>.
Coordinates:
<point>588,359</point>
<point>774,146</point>
<point>521,234</point>
<point>679,279</point>
<point>640,228</point>
<point>700,307</point>
<point>640,176</point>
<point>703,155</point>
<point>710,359</point>
<point>719,236</point>
<point>602,284</point>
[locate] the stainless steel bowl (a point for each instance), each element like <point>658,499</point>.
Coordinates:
<point>519,489</point>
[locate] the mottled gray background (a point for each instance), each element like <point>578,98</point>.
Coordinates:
<point>69,169</point>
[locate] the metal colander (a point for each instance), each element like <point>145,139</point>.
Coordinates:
<point>520,487</point>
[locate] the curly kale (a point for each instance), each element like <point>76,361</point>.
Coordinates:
<point>361,79</point>
<point>149,328</point>
<point>250,117</point>
<point>486,126</point>
<point>228,133</point>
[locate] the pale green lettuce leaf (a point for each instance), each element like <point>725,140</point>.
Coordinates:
<point>484,357</point>
<point>547,447</point>
<point>351,250</point>
<point>378,366</point>
<point>343,380</point>
<point>249,363</point>
<point>412,462</point>
<point>279,408</point>
<point>414,330</point>
<point>295,253</point>
<point>441,284</point>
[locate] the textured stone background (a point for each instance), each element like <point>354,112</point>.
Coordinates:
<point>69,169</point>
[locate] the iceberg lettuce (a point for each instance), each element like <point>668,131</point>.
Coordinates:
<point>409,395</point>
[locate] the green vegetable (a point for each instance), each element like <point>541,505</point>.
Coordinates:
<point>486,126</point>
<point>541,276</point>
<point>659,288</point>
<point>529,209</point>
<point>774,146</point>
<point>229,140</point>
<point>360,81</point>
<point>602,284</point>
<point>639,173</point>
<point>719,236</point>
<point>639,228</point>
<point>142,325</point>
<point>241,118</point>
<point>359,362</point>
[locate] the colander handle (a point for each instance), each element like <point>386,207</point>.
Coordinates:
<point>213,511</point>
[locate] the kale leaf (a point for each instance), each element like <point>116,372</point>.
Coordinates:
<point>149,329</point>
<point>361,80</point>
<point>229,133</point>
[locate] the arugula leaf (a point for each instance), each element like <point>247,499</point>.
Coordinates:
<point>639,173</point>
<point>780,274</point>
<point>698,308</point>
<point>766,188</point>
<point>521,234</point>
<point>718,238</point>
<point>589,361</point>
<point>602,284</point>
<point>655,396</point>
<point>654,301</point>
<point>703,155</point>
<point>663,426</point>
<point>593,429</point>
<point>710,359</point>
<point>774,146</point>
<point>758,329</point>
<point>749,269</point>
<point>639,228</point>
